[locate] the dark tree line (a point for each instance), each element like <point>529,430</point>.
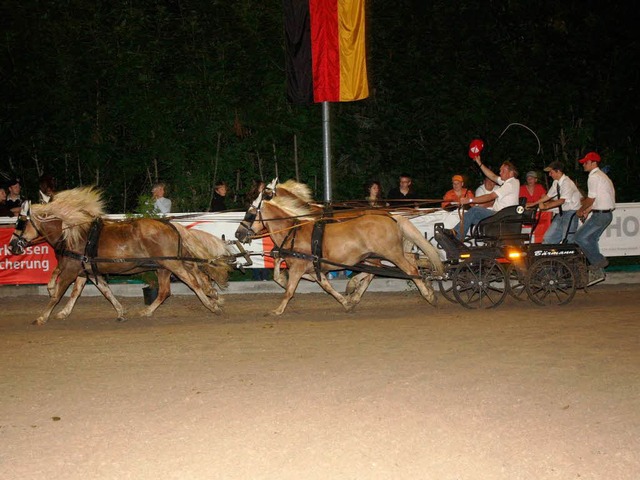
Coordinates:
<point>121,94</point>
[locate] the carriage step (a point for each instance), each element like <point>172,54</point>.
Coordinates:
<point>449,242</point>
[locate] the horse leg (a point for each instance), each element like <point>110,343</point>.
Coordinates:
<point>354,283</point>
<point>410,268</point>
<point>207,286</point>
<point>194,280</point>
<point>327,287</point>
<point>363,284</point>
<point>164,291</point>
<point>52,281</point>
<point>281,277</point>
<point>296,271</point>
<point>78,286</point>
<point>64,280</point>
<point>103,287</point>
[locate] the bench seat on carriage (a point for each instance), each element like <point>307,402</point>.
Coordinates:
<point>506,226</point>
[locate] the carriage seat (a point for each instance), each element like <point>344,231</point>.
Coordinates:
<point>506,225</point>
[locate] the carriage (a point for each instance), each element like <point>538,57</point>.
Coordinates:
<point>497,259</point>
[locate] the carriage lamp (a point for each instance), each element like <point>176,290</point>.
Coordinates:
<point>514,254</point>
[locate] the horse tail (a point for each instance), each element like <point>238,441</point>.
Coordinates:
<point>199,244</point>
<point>412,234</point>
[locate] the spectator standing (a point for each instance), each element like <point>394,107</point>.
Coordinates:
<point>47,188</point>
<point>404,190</point>
<point>257,186</point>
<point>563,200</point>
<point>532,190</point>
<point>453,196</point>
<point>505,195</point>
<point>219,197</point>
<point>14,201</point>
<point>5,211</point>
<point>161,204</point>
<point>373,194</point>
<point>596,212</point>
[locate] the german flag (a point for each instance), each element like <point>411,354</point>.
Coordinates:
<point>325,47</point>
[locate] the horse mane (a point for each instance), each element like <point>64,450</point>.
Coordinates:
<point>76,208</point>
<point>293,198</point>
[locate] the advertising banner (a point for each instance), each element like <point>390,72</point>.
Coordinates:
<point>33,267</point>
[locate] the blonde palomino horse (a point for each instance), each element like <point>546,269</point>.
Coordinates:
<point>126,247</point>
<point>285,211</point>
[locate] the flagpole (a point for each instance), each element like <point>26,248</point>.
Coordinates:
<point>326,143</point>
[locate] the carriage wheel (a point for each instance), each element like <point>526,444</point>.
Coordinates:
<point>425,267</point>
<point>551,282</point>
<point>447,291</point>
<point>517,284</point>
<point>480,284</point>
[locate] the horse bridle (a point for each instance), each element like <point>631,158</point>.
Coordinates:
<point>255,209</point>
<point>19,245</point>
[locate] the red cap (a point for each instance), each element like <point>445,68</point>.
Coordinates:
<point>591,156</point>
<point>475,148</point>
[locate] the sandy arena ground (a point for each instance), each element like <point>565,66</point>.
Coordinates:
<point>396,390</point>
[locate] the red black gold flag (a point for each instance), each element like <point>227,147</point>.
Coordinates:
<point>325,45</point>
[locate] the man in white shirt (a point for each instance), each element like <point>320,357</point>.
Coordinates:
<point>563,199</point>
<point>596,214</point>
<point>485,187</point>
<point>505,194</point>
<point>161,204</point>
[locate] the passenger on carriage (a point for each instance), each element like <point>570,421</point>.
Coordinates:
<point>563,200</point>
<point>505,195</point>
<point>485,187</point>
<point>532,190</point>
<point>596,213</point>
<point>452,198</point>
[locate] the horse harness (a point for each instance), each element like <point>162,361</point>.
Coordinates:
<point>317,237</point>
<point>90,258</point>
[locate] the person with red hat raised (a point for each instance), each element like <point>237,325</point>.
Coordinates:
<point>453,196</point>
<point>504,195</point>
<point>596,213</point>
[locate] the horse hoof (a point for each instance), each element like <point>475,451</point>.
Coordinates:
<point>433,299</point>
<point>349,307</point>
<point>121,319</point>
<point>38,322</point>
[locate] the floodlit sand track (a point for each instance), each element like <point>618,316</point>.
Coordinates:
<point>395,390</point>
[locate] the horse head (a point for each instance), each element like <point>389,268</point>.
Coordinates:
<point>245,230</point>
<point>24,232</point>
